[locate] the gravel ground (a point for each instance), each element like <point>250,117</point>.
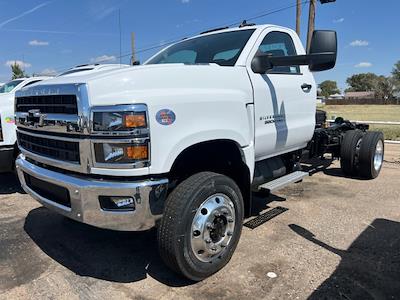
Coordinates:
<point>339,239</point>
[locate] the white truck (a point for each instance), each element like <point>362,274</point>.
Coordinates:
<point>181,142</point>
<point>8,139</point>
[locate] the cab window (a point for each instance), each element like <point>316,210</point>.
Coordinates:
<point>279,44</point>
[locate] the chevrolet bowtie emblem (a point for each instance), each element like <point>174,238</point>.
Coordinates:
<point>36,118</point>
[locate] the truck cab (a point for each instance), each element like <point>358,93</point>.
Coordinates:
<point>180,142</point>
<point>8,139</point>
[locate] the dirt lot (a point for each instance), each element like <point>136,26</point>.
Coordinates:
<point>340,239</point>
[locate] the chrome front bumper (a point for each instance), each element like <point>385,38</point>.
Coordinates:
<point>84,196</point>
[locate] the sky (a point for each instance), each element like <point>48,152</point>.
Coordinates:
<point>52,36</point>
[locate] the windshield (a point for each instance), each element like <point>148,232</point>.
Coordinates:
<point>223,49</point>
<point>9,86</point>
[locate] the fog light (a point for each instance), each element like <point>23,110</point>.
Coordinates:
<point>117,203</point>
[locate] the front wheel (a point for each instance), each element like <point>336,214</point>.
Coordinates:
<point>201,225</point>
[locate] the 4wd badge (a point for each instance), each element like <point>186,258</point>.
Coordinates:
<point>165,117</point>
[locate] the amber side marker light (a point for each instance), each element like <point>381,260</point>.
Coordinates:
<point>135,121</point>
<point>139,152</point>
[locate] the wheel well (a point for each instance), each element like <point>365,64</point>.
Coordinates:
<point>219,156</point>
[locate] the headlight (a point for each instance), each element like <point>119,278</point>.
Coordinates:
<point>121,153</point>
<point>127,137</point>
<point>118,121</point>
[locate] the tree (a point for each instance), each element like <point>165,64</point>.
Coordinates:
<point>385,88</point>
<point>396,71</point>
<point>17,71</point>
<point>364,82</point>
<point>396,76</point>
<point>328,87</point>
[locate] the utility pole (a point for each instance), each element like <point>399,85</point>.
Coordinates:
<point>311,22</point>
<point>133,55</point>
<point>298,17</point>
<point>311,19</point>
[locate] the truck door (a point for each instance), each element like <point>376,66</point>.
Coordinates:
<point>285,98</point>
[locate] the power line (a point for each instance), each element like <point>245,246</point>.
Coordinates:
<point>237,22</point>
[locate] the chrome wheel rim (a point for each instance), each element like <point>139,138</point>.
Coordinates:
<point>212,228</point>
<point>378,157</point>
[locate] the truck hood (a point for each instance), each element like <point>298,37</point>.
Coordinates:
<point>141,84</point>
<point>86,77</point>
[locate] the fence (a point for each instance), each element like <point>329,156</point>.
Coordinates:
<point>361,101</point>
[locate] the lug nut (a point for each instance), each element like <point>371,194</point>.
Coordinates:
<point>217,214</point>
<point>229,233</point>
<point>209,226</point>
<point>214,248</point>
<point>208,241</point>
<point>223,245</point>
<point>230,220</point>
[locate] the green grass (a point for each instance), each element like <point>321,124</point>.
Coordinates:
<point>369,113</point>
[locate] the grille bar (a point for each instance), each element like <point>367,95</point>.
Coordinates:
<point>55,149</point>
<point>51,104</point>
<point>48,190</point>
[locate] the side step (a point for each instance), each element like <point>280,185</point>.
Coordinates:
<point>265,217</point>
<point>283,181</point>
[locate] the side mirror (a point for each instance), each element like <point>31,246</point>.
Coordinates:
<point>321,56</point>
<point>323,50</point>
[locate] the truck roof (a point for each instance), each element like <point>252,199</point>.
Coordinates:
<point>247,27</point>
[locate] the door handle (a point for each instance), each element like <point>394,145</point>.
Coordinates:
<point>306,87</point>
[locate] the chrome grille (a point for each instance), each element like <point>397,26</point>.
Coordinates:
<point>54,149</point>
<point>49,104</point>
<point>64,139</point>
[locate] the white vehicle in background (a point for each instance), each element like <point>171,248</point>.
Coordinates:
<point>8,139</point>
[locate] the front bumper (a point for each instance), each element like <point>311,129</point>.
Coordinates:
<point>84,193</point>
<point>6,158</point>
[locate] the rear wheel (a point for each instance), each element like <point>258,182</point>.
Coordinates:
<point>349,151</point>
<point>371,154</point>
<point>201,225</point>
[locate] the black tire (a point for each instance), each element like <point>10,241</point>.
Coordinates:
<point>368,149</point>
<point>174,233</point>
<point>348,151</point>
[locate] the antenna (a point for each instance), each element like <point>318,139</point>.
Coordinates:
<point>120,36</point>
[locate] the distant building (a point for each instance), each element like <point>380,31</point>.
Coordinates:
<point>336,97</point>
<point>359,95</point>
